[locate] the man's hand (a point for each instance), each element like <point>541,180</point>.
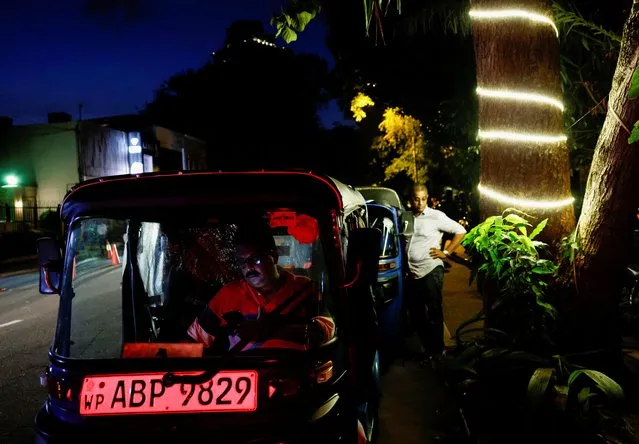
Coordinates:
<point>436,253</point>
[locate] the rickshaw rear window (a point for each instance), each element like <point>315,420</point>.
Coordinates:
<point>382,219</point>
<point>143,289</point>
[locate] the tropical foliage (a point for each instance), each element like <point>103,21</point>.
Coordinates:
<point>401,146</point>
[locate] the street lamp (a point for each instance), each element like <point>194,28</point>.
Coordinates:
<point>11,181</point>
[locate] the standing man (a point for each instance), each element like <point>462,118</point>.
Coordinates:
<point>426,280</point>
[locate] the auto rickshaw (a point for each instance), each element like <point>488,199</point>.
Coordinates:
<point>385,212</point>
<point>121,366</point>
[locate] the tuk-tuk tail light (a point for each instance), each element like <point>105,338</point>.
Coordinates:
<point>387,266</point>
<point>56,388</point>
<point>323,373</point>
<point>283,387</point>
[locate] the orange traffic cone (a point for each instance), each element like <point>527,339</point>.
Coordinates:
<point>115,256</point>
<point>73,271</point>
<point>108,250</point>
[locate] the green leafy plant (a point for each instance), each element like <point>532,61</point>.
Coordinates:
<point>511,381</point>
<point>511,255</point>
<point>513,276</point>
<point>511,393</point>
<point>577,402</point>
<point>294,18</point>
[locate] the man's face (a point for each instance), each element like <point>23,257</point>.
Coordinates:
<point>419,200</point>
<point>258,268</point>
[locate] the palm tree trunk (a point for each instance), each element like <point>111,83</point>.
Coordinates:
<point>610,204</point>
<point>521,55</point>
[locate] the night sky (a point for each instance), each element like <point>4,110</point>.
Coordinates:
<point>54,56</point>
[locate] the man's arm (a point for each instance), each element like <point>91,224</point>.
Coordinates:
<point>308,318</point>
<point>455,241</point>
<point>447,225</point>
<point>207,326</point>
<point>204,327</point>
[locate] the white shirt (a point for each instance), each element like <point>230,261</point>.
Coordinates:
<point>428,230</point>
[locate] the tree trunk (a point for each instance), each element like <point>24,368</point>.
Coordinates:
<point>521,55</point>
<point>610,203</point>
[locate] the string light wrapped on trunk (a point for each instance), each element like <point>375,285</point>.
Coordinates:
<point>518,97</point>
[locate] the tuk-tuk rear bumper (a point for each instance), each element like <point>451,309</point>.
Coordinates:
<point>333,426</point>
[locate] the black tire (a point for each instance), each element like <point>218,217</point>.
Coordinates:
<point>370,422</point>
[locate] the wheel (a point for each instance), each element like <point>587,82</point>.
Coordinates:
<point>369,411</point>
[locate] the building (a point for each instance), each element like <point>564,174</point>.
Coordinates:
<point>39,163</point>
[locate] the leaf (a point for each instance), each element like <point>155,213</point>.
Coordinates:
<point>538,386</point>
<point>542,270</point>
<point>604,383</point>
<point>468,355</point>
<point>288,34</point>
<point>634,85</point>
<point>301,20</point>
<point>584,394</point>
<point>514,219</point>
<point>634,135</point>
<point>552,311</point>
<point>522,229</point>
<point>495,353</point>
<point>561,392</point>
<point>464,369</point>
<point>489,220</point>
<point>525,240</point>
<point>538,229</point>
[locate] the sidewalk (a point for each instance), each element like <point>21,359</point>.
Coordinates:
<point>19,265</point>
<point>414,399</point>
<point>461,301</point>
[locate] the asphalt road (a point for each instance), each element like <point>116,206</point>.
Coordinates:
<point>27,321</point>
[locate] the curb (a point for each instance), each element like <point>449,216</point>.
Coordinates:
<point>91,274</point>
<point>19,272</point>
<point>97,272</point>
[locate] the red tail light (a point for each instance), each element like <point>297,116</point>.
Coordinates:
<point>55,387</point>
<point>323,373</point>
<point>283,388</point>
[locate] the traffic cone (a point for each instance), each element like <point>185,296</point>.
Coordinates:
<point>73,271</point>
<point>108,250</point>
<point>115,256</point>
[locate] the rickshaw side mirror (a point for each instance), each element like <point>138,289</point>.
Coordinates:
<point>364,248</point>
<point>50,262</point>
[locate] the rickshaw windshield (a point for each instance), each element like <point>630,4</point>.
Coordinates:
<point>382,219</point>
<point>149,288</point>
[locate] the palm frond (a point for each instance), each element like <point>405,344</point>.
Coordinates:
<point>572,21</point>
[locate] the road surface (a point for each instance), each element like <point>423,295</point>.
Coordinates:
<point>27,321</point>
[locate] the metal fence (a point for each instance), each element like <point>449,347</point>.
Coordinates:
<point>21,218</point>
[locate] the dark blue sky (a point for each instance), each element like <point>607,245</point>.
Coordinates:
<point>53,56</point>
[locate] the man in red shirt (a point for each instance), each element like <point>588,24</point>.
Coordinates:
<point>266,290</point>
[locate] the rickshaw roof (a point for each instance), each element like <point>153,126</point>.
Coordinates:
<point>169,190</point>
<point>381,195</point>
